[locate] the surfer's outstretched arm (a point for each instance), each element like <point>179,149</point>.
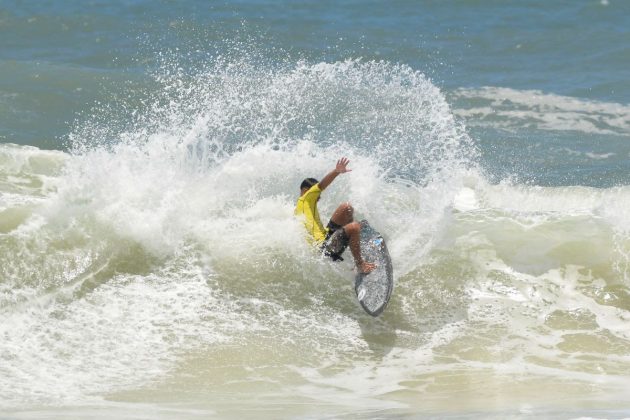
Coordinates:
<point>340,168</point>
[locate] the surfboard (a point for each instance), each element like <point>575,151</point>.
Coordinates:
<point>375,288</point>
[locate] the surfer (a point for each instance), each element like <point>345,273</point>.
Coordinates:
<point>341,230</point>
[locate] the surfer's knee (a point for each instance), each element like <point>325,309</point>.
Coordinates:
<point>347,209</point>
<point>343,214</point>
<point>353,228</point>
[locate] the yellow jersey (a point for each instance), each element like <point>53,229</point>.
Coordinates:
<point>307,207</point>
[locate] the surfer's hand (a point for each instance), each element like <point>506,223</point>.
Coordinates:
<point>342,166</point>
<point>366,267</point>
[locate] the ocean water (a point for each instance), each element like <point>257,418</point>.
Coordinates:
<point>150,158</point>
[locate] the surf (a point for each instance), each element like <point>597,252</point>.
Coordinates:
<point>170,247</point>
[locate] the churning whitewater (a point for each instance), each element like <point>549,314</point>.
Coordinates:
<point>158,259</point>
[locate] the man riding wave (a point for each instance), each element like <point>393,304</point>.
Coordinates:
<point>341,230</point>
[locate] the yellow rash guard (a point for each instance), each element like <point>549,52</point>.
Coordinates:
<point>307,207</point>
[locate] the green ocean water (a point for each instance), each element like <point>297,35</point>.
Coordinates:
<point>150,263</point>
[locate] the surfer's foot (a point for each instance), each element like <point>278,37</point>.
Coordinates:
<point>366,267</point>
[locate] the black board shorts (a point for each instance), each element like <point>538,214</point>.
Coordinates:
<point>336,242</point>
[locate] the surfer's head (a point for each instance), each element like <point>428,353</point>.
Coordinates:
<point>307,184</point>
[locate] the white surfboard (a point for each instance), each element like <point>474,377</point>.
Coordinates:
<point>374,289</point>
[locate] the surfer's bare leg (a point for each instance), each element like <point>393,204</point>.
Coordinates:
<point>353,230</point>
<point>343,215</point>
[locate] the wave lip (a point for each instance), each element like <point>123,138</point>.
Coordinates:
<point>191,196</point>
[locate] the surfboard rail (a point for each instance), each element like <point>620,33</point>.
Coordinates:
<point>374,289</point>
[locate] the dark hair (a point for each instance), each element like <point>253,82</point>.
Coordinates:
<point>308,183</point>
